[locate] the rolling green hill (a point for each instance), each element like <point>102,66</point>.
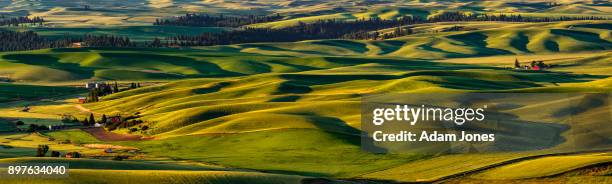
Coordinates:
<point>312,113</point>
<point>248,59</point>
<point>129,176</point>
<point>285,112</point>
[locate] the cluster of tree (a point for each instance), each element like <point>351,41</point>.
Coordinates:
<point>104,41</point>
<point>15,21</point>
<point>322,29</point>
<point>532,65</point>
<point>91,121</point>
<point>205,20</point>
<point>29,40</point>
<point>376,35</point>
<point>107,89</point>
<point>102,90</point>
<point>36,128</point>
<point>453,16</point>
<point>43,149</point>
<point>126,122</point>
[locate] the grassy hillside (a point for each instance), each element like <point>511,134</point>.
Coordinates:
<point>248,59</point>
<point>284,112</point>
<point>540,167</point>
<point>316,112</point>
<point>106,164</point>
<point>140,176</point>
<point>300,101</point>
<point>11,92</point>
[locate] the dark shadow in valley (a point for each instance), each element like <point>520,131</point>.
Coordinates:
<point>49,61</point>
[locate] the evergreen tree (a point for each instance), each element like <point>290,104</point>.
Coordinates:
<point>517,64</point>
<point>92,120</point>
<point>115,88</point>
<point>103,118</point>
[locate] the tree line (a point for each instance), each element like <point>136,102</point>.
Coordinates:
<point>15,21</point>
<point>29,40</point>
<point>205,20</point>
<point>455,16</point>
<point>362,29</point>
<point>321,29</point>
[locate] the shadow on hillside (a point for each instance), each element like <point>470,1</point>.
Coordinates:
<point>584,37</point>
<point>478,40</point>
<point>520,42</point>
<point>49,61</point>
<point>388,46</point>
<point>164,63</point>
<point>278,49</point>
<point>346,44</point>
<point>453,76</point>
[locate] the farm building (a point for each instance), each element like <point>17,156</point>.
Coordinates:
<point>82,100</point>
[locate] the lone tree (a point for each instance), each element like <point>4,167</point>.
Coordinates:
<point>517,64</point>
<point>103,118</point>
<point>92,120</point>
<point>115,88</point>
<point>42,150</point>
<point>85,122</point>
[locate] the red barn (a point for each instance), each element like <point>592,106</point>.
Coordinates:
<point>82,99</point>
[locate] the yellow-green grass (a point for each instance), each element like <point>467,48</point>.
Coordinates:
<point>288,107</point>
<point>65,65</point>
<point>436,168</point>
<point>72,14</point>
<point>382,13</point>
<point>424,11</point>
<point>76,136</point>
<point>84,163</point>
<point>48,111</point>
<point>542,167</point>
<point>169,176</point>
<point>25,144</point>
<point>294,112</point>
<point>313,114</point>
<point>288,151</point>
